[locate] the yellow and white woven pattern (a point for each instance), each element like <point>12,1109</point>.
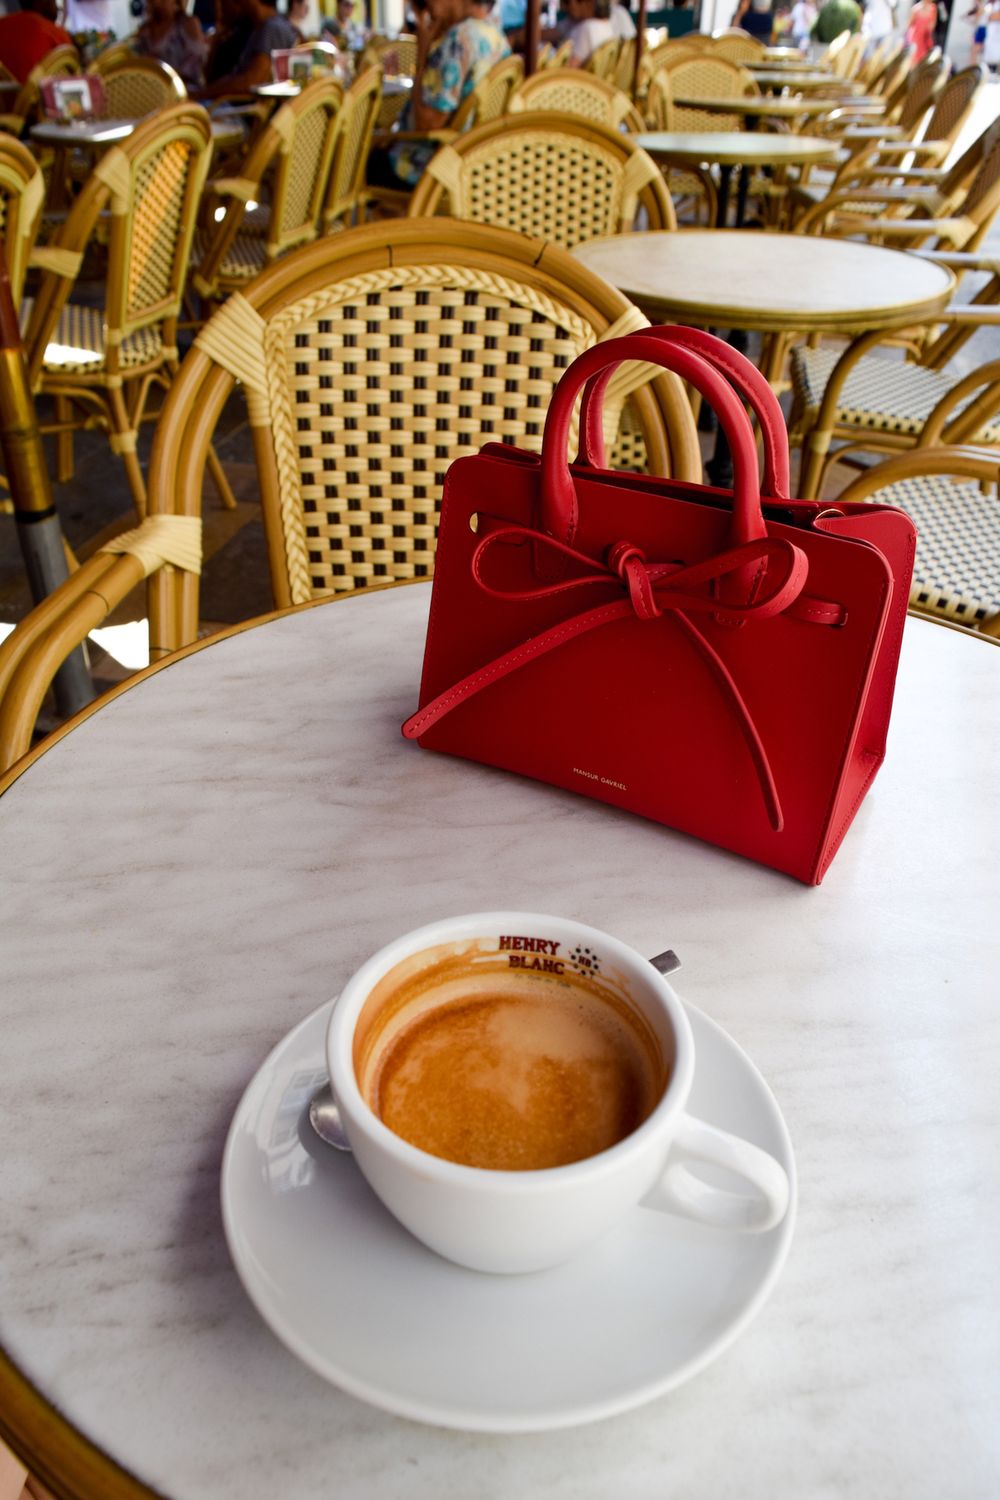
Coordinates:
<point>81,331</point>
<point>175,540</point>
<point>371,389</point>
<point>957,570</point>
<point>245,258</point>
<point>558,187</point>
<point>157,206</point>
<point>300,206</point>
<point>879,395</point>
<point>570,92</point>
<point>131,93</point>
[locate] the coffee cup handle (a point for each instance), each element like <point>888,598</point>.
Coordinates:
<point>680,1190</point>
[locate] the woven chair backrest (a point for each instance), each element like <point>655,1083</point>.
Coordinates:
<point>953,106</point>
<point>603,61</point>
<point>395,54</point>
<point>570,91</point>
<point>983,197</point>
<point>354,127</point>
<point>304,153</point>
<point>697,77</point>
<point>488,99</point>
<point>845,62</point>
<point>22,194</point>
<point>741,48</point>
<point>554,176</point>
<point>137,86</point>
<point>145,193</point>
<point>113,55</point>
<point>560,56</point>
<point>370,362</point>
<point>920,97</point>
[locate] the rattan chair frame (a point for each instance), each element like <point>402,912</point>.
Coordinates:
<point>114,54</point>
<point>272,340</point>
<point>22,195</point>
<point>571,91</point>
<point>592,180</point>
<point>489,98</point>
<point>293,156</point>
<point>345,191</point>
<point>61,62</point>
<point>159,169</point>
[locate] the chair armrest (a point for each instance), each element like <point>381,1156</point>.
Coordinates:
<point>246,189</point>
<point>963,260</point>
<point>971,314</point>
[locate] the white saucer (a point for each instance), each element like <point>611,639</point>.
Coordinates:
<point>368,1307</point>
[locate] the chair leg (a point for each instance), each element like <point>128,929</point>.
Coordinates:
<point>219,479</point>
<point>124,439</point>
<point>64,440</point>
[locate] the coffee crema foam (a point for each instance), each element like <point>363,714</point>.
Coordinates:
<point>488,1066</point>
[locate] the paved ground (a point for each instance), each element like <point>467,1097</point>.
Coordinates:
<point>235,584</point>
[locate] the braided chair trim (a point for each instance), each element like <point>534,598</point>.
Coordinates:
<point>361,448</point>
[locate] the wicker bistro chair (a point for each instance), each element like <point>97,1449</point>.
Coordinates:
<point>555,176</point>
<point>737,46</point>
<point>100,363</point>
<point>696,76</point>
<point>115,53</point>
<point>951,494</point>
<point>61,62</point>
<point>866,403</point>
<point>369,362</point>
<point>603,61</point>
<point>868,161</point>
<point>570,91</point>
<point>291,162</point>
<point>136,86</point>
<point>22,193</point>
<point>346,192</point>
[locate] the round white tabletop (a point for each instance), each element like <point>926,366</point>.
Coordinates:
<point>199,864</point>
<point>769,282</point>
<point>737,148</point>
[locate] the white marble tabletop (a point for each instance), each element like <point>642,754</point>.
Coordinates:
<point>201,863</point>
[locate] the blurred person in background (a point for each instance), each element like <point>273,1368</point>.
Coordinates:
<point>622,24</point>
<point>29,34</point>
<point>590,29</point>
<point>268,32</point>
<point>803,19</point>
<point>456,47</point>
<point>920,31</point>
<point>754,17</point>
<point>878,21</point>
<point>175,38</point>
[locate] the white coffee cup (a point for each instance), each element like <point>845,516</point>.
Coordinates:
<point>512,1221</point>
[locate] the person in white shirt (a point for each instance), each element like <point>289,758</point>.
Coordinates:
<point>591,28</point>
<point>804,14</point>
<point>622,24</point>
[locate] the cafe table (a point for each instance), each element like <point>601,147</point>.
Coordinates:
<point>754,108</point>
<point>729,149</point>
<point>199,865</point>
<point>287,88</point>
<point>96,134</point>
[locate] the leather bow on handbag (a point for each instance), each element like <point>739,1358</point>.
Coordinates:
<point>717,663</point>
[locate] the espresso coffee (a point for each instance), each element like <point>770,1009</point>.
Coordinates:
<point>489,1065</point>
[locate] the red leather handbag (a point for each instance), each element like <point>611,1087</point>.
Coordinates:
<point>721,664</point>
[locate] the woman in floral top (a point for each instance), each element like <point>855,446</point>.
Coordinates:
<point>455,49</point>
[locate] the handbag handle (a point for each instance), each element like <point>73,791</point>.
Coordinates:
<point>743,376</point>
<point>560,507</point>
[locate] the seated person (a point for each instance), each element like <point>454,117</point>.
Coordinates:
<point>344,29</point>
<point>591,28</point>
<point>29,34</point>
<point>455,48</point>
<point>268,32</point>
<point>175,38</point>
<point>622,24</point>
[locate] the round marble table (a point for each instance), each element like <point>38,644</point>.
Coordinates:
<point>757,107</point>
<point>200,863</point>
<point>728,149</point>
<point>772,283</point>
